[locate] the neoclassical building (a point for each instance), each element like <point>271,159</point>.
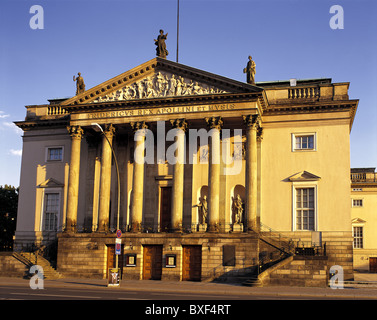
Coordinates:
<point>363,214</point>
<point>206,177</point>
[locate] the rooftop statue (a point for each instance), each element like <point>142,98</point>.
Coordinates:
<point>80,85</point>
<point>161,46</point>
<point>250,71</point>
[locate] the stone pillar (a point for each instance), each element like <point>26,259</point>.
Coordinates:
<point>178,174</point>
<point>215,124</point>
<point>138,176</point>
<point>73,183</point>
<point>105,185</point>
<point>252,123</point>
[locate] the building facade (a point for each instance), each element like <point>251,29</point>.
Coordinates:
<point>364,209</point>
<point>193,168</point>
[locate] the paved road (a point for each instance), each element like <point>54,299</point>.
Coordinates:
<point>168,300</point>
<point>89,289</point>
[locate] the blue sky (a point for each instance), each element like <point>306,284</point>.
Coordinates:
<point>103,38</point>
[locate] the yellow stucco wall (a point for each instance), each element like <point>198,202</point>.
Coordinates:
<point>330,161</point>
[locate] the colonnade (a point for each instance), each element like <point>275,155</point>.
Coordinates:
<point>252,123</point>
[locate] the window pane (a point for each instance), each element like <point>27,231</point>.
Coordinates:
<point>311,142</point>
<point>304,142</point>
<point>358,237</point>
<point>305,209</point>
<point>51,211</point>
<point>55,153</point>
<point>298,142</point>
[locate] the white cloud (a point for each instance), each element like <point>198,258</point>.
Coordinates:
<point>16,152</point>
<point>13,127</point>
<point>3,115</point>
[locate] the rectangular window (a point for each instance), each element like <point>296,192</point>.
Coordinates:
<point>358,237</point>
<point>51,213</point>
<point>357,203</point>
<point>55,154</point>
<point>305,209</point>
<point>303,142</point>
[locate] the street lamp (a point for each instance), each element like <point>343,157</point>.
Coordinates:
<point>96,127</point>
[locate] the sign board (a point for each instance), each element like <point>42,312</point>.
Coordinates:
<point>113,278</point>
<point>118,246</point>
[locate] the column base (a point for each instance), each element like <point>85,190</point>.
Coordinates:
<point>202,227</point>
<point>213,228</point>
<point>237,227</point>
<point>71,226</point>
<point>136,227</point>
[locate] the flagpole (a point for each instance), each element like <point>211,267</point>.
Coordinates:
<point>177,27</point>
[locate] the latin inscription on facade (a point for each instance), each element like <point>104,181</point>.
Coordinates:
<point>160,111</point>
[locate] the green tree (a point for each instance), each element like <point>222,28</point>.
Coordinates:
<point>8,216</point>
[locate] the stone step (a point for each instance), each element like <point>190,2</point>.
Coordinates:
<point>30,259</point>
<point>252,282</point>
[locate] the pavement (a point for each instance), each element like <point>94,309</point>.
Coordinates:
<point>363,287</point>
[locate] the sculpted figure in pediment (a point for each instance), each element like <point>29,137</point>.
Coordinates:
<point>159,85</point>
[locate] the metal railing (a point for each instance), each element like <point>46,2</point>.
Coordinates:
<point>276,239</point>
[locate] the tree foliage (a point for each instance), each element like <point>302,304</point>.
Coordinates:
<point>8,216</point>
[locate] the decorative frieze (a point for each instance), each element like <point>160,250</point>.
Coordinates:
<point>162,84</point>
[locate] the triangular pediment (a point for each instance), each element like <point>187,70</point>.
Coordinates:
<point>304,176</point>
<point>51,183</point>
<point>357,220</point>
<point>160,78</point>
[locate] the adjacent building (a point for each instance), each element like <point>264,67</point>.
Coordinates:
<point>364,222</point>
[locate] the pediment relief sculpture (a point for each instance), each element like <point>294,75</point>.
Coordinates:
<point>161,84</point>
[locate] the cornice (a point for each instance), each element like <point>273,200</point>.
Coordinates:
<point>170,101</point>
<point>315,107</point>
<point>27,125</point>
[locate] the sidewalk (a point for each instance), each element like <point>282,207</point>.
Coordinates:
<point>349,292</point>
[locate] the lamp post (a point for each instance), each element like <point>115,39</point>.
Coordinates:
<point>96,127</point>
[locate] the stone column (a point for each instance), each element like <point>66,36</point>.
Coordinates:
<point>73,183</point>
<point>252,123</point>
<point>105,178</point>
<point>178,174</point>
<point>138,176</point>
<point>215,124</point>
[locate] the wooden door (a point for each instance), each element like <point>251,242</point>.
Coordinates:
<point>165,209</point>
<point>373,265</point>
<point>192,263</point>
<point>111,263</point>
<point>152,262</point>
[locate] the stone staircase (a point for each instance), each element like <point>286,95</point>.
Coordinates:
<point>302,271</point>
<point>30,258</point>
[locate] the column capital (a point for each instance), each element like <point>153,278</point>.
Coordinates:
<point>260,134</point>
<point>138,125</point>
<point>214,122</point>
<point>109,130</point>
<point>252,120</point>
<point>76,132</point>
<point>179,124</point>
